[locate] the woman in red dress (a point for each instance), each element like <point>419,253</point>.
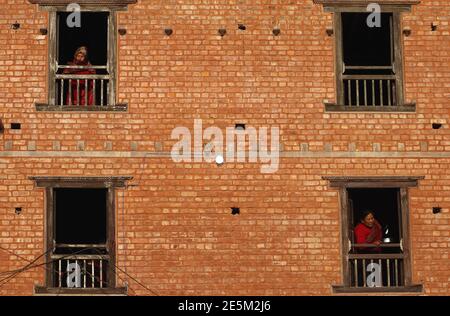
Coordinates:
<point>80,59</point>
<point>368,232</point>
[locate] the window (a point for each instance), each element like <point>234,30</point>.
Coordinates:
<point>80,254</point>
<point>368,59</point>
<point>368,64</point>
<point>367,265</point>
<point>80,229</point>
<point>389,256</point>
<point>83,85</point>
<point>86,82</point>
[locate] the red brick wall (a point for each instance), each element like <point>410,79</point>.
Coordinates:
<point>178,236</point>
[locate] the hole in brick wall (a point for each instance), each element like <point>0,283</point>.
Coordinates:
<point>168,31</point>
<point>16,126</point>
<point>122,31</point>
<point>235,211</point>
<point>407,31</point>
<point>433,26</point>
<point>222,32</point>
<point>15,26</point>
<point>436,125</point>
<point>2,128</point>
<point>242,27</point>
<point>18,210</point>
<point>239,127</point>
<point>43,31</point>
<point>437,210</point>
<point>276,31</point>
<point>329,30</point>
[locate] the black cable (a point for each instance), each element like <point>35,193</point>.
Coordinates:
<point>40,264</point>
<point>15,270</point>
<point>27,267</point>
<point>32,266</point>
<point>145,287</point>
<point>108,283</point>
<point>13,253</point>
<point>102,289</point>
<point>138,282</point>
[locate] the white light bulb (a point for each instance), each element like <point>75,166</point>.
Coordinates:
<point>219,159</point>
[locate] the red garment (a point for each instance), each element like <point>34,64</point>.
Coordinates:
<point>81,85</point>
<point>368,235</point>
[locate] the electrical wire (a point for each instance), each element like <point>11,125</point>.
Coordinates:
<point>31,265</point>
<point>134,279</point>
<point>25,268</point>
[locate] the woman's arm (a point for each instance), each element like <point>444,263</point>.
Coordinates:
<point>375,233</point>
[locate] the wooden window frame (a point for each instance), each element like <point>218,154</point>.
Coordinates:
<point>110,6</point>
<point>401,183</point>
<point>51,183</point>
<point>387,6</point>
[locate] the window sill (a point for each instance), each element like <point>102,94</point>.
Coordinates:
<point>408,107</point>
<point>54,291</point>
<point>120,107</point>
<point>340,289</point>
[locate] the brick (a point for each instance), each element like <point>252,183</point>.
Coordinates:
<point>8,145</point>
<point>80,145</point>
<point>56,145</point>
<point>31,145</point>
<point>108,146</point>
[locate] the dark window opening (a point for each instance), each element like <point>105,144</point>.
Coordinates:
<point>364,45</point>
<point>388,257</point>
<point>384,204</point>
<point>92,34</point>
<point>92,84</point>
<point>80,254</point>
<point>369,76</point>
<point>80,216</point>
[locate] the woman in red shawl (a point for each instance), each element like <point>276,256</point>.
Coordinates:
<point>80,59</point>
<point>368,232</point>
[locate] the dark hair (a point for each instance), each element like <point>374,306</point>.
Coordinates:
<point>365,213</point>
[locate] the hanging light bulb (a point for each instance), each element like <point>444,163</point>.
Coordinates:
<point>386,234</point>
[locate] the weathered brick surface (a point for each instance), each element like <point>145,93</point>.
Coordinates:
<point>174,228</point>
